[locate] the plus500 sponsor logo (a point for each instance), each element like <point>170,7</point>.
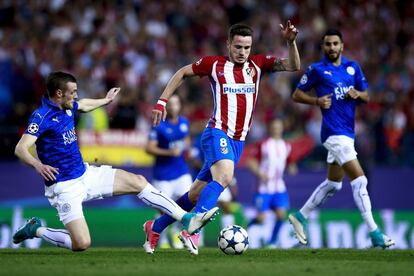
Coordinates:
<point>239,88</point>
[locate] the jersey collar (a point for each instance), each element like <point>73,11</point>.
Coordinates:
<point>327,62</point>
<point>48,102</point>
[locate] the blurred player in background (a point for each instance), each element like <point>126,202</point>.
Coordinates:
<point>269,165</point>
<point>340,85</point>
<point>234,82</point>
<point>68,180</point>
<point>168,142</point>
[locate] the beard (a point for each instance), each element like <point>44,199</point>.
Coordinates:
<point>332,57</point>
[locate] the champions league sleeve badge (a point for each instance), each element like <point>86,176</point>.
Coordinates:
<point>304,79</point>
<point>33,128</point>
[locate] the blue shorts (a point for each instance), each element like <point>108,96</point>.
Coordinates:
<point>216,145</point>
<point>264,202</point>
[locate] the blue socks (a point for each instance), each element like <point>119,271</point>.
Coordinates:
<point>275,232</point>
<point>208,197</point>
<point>165,220</point>
<point>253,222</point>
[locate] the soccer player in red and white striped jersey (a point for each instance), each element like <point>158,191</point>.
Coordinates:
<point>234,83</point>
<point>268,164</point>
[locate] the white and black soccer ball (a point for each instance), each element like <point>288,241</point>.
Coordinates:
<point>233,240</point>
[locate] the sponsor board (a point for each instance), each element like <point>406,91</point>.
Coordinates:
<point>122,227</point>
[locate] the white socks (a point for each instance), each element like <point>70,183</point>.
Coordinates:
<point>57,237</point>
<point>325,190</point>
<point>227,220</point>
<point>154,198</point>
<point>361,198</point>
<point>328,188</point>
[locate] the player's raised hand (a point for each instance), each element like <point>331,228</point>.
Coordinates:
<point>47,172</point>
<point>289,31</point>
<point>112,93</point>
<point>325,102</point>
<point>159,112</point>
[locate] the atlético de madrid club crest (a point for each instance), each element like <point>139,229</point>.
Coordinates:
<point>250,72</point>
<point>224,150</point>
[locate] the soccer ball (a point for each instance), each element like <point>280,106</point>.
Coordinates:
<point>233,240</point>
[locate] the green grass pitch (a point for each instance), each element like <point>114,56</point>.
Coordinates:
<point>210,261</point>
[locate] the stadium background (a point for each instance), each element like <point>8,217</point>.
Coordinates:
<point>138,45</point>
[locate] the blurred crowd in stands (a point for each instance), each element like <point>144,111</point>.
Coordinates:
<point>139,44</point>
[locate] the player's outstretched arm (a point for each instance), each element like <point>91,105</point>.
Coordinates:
<point>23,153</point>
<point>292,63</point>
<point>87,105</point>
<point>159,112</point>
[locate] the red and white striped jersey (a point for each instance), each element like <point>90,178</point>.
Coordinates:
<point>272,156</point>
<point>235,89</point>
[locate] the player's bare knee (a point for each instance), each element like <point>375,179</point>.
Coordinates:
<point>81,244</point>
<point>224,179</point>
<point>138,183</point>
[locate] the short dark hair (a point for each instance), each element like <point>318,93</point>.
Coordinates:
<point>58,80</point>
<point>333,32</point>
<point>239,29</point>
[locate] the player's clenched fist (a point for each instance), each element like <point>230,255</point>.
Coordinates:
<point>325,101</point>
<point>353,94</point>
<point>159,112</point>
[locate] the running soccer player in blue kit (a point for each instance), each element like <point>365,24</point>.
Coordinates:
<point>68,180</point>
<point>169,142</point>
<point>340,85</point>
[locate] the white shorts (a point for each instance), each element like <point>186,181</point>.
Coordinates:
<point>175,188</point>
<point>340,149</point>
<point>225,196</point>
<point>67,196</point>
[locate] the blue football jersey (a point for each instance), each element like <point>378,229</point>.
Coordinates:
<point>327,78</point>
<point>170,135</point>
<point>57,142</point>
